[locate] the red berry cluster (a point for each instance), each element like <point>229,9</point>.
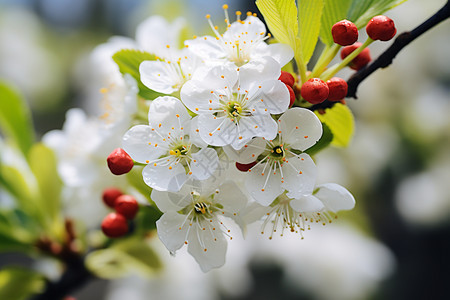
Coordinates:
<point>316,91</point>
<point>289,81</point>
<point>116,224</point>
<point>119,162</point>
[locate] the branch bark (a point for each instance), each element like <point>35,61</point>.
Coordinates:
<point>400,42</point>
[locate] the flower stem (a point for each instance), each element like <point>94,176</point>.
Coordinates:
<point>325,58</point>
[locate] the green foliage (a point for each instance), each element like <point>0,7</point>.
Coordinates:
<point>123,258</point>
<point>147,217</point>
<point>340,121</point>
<point>17,231</point>
<point>134,178</point>
<point>334,11</point>
<point>15,119</point>
<point>281,18</point>
<point>44,166</point>
<point>19,283</point>
<point>325,140</point>
<point>128,61</point>
<point>309,15</point>
<point>361,11</point>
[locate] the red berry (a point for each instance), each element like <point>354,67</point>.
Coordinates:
<point>291,95</point>
<point>314,91</point>
<point>344,33</point>
<point>114,225</point>
<point>119,162</point>
<point>381,28</point>
<point>127,206</point>
<point>245,167</point>
<point>287,78</point>
<point>338,89</point>
<point>110,195</point>
<point>360,60</point>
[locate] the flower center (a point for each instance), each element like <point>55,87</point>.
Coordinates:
<point>180,150</point>
<point>201,208</point>
<point>234,109</point>
<point>277,151</point>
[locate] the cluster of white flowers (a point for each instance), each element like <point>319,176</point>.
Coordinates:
<point>225,108</point>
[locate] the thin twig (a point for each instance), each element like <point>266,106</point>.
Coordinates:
<point>400,42</point>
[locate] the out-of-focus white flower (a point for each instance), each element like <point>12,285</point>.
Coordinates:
<point>168,146</point>
<point>280,166</point>
<point>235,104</point>
<point>242,42</point>
<point>193,217</point>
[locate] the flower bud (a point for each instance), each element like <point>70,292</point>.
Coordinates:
<point>245,167</point>
<point>361,60</point>
<point>127,206</point>
<point>344,33</point>
<point>381,28</point>
<point>114,225</point>
<point>291,95</point>
<point>338,89</point>
<point>119,162</point>
<point>314,91</point>
<point>287,78</point>
<point>110,195</point>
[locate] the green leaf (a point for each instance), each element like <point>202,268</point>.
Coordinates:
<point>128,61</point>
<point>124,258</point>
<point>135,179</point>
<point>281,18</point>
<point>340,120</point>
<point>361,11</point>
<point>15,118</point>
<point>44,166</point>
<point>20,283</point>
<point>147,217</point>
<point>17,231</point>
<point>13,181</point>
<point>324,141</point>
<point>334,11</point>
<point>309,14</point>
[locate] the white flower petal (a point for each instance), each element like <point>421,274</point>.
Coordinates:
<point>300,128</point>
<point>306,204</point>
<point>255,72</point>
<point>251,26</point>
<point>136,143</point>
<point>282,53</point>
<point>194,135</point>
<point>213,241</point>
<point>206,46</point>
<point>168,114</point>
<point>169,232</point>
<point>265,186</point>
<point>257,125</point>
<point>335,197</point>
<point>198,98</point>
<point>276,96</point>
<point>167,201</point>
<point>204,163</point>
<point>216,77</point>
<point>231,197</point>
<point>247,154</point>
<point>160,76</point>
<point>217,131</point>
<point>166,177</point>
<point>300,174</point>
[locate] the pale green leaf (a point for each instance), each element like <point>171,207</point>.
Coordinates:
<point>20,283</point>
<point>340,120</point>
<point>17,231</point>
<point>15,118</point>
<point>128,61</point>
<point>44,166</point>
<point>309,15</point>
<point>361,11</point>
<point>123,259</point>
<point>333,11</point>
<point>13,181</point>
<point>281,18</point>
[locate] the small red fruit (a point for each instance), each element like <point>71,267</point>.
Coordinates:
<point>127,206</point>
<point>110,195</point>
<point>338,89</point>
<point>287,78</point>
<point>114,225</point>
<point>314,91</point>
<point>381,28</point>
<point>291,95</point>
<point>361,60</point>
<point>344,33</point>
<point>119,162</point>
<point>245,167</point>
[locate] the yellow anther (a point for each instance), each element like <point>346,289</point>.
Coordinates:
<point>208,16</point>
<point>238,13</point>
<point>225,6</point>
<point>103,90</point>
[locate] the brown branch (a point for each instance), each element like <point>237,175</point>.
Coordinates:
<point>400,42</point>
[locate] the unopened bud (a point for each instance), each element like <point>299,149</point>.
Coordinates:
<point>338,89</point>
<point>287,78</point>
<point>119,162</point>
<point>127,206</point>
<point>344,33</point>
<point>110,195</point>
<point>245,167</point>
<point>361,60</point>
<point>314,91</point>
<point>381,28</point>
<point>114,225</point>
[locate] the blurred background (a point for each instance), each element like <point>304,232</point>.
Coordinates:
<point>394,245</point>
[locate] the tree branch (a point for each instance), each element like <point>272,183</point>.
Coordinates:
<point>400,42</point>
